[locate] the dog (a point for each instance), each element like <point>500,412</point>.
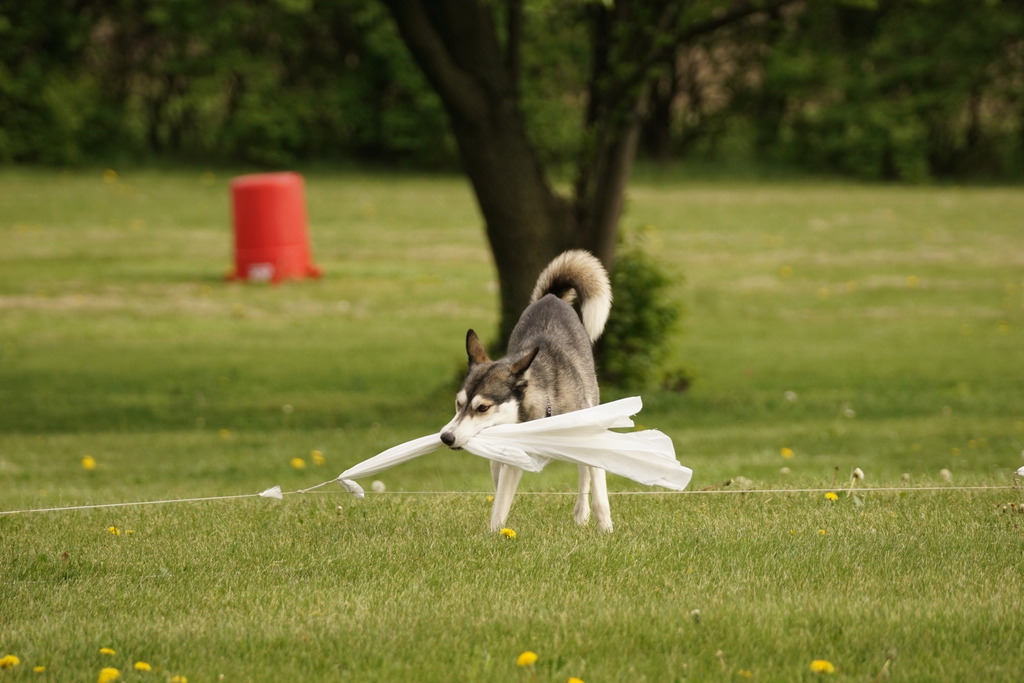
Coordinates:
<point>547,370</point>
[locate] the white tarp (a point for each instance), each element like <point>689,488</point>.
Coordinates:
<point>581,437</point>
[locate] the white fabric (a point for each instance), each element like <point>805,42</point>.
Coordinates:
<point>272,492</point>
<point>581,437</point>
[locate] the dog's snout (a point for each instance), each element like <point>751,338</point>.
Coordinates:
<point>448,438</point>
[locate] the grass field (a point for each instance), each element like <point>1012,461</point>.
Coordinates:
<point>844,326</point>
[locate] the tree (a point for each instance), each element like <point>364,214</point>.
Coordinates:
<point>470,52</point>
<point>904,90</point>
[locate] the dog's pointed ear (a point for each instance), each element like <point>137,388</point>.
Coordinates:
<point>475,350</point>
<point>522,364</point>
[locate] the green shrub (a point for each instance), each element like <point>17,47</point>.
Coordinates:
<point>644,322</point>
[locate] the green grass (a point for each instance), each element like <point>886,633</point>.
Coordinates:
<point>893,317</point>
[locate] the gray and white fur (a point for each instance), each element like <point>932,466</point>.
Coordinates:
<point>547,370</point>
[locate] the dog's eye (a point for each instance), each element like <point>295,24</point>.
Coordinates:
<point>483,408</point>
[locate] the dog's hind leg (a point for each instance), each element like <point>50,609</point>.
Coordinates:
<point>504,492</point>
<point>581,513</point>
<point>601,507</point>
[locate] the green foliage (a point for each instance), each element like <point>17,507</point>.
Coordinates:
<point>643,325</point>
<point>268,83</point>
<point>907,90</point>
<point>47,98</point>
<point>552,82</point>
<point>901,89</point>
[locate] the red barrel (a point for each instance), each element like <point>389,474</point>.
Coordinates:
<point>271,237</point>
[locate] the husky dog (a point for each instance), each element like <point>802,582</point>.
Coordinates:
<point>547,370</point>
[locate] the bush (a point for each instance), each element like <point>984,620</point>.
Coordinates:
<point>644,322</point>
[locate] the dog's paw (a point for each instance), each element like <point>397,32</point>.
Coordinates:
<point>581,513</point>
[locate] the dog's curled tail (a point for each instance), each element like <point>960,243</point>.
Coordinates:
<point>579,273</point>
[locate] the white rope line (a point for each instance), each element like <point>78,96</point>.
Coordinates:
<point>272,492</point>
<point>121,505</point>
<point>863,489</point>
<point>275,492</point>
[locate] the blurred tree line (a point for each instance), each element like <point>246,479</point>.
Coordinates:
<point>893,89</point>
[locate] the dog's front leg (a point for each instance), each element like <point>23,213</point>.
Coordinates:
<point>602,508</point>
<point>581,513</point>
<point>495,471</point>
<point>504,492</point>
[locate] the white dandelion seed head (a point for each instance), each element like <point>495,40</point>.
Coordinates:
<point>945,475</point>
<point>858,473</point>
<point>378,486</point>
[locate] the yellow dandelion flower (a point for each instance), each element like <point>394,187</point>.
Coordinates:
<point>107,650</point>
<point>179,679</point>
<point>317,457</point>
<point>116,532</point>
<point>526,658</point>
<point>745,673</point>
<point>297,463</point>
<point>573,679</point>
<point>508,533</point>
<point>89,463</point>
<point>143,666</point>
<point>822,532</point>
<point>38,669</point>
<point>489,499</point>
<point>9,661</point>
<point>831,496</point>
<point>822,666</point>
<point>108,674</point>
<point>786,453</point>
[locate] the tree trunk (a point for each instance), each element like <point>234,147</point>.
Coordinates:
<point>527,223</point>
<point>613,128</point>
<point>656,135</point>
<point>456,44</point>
